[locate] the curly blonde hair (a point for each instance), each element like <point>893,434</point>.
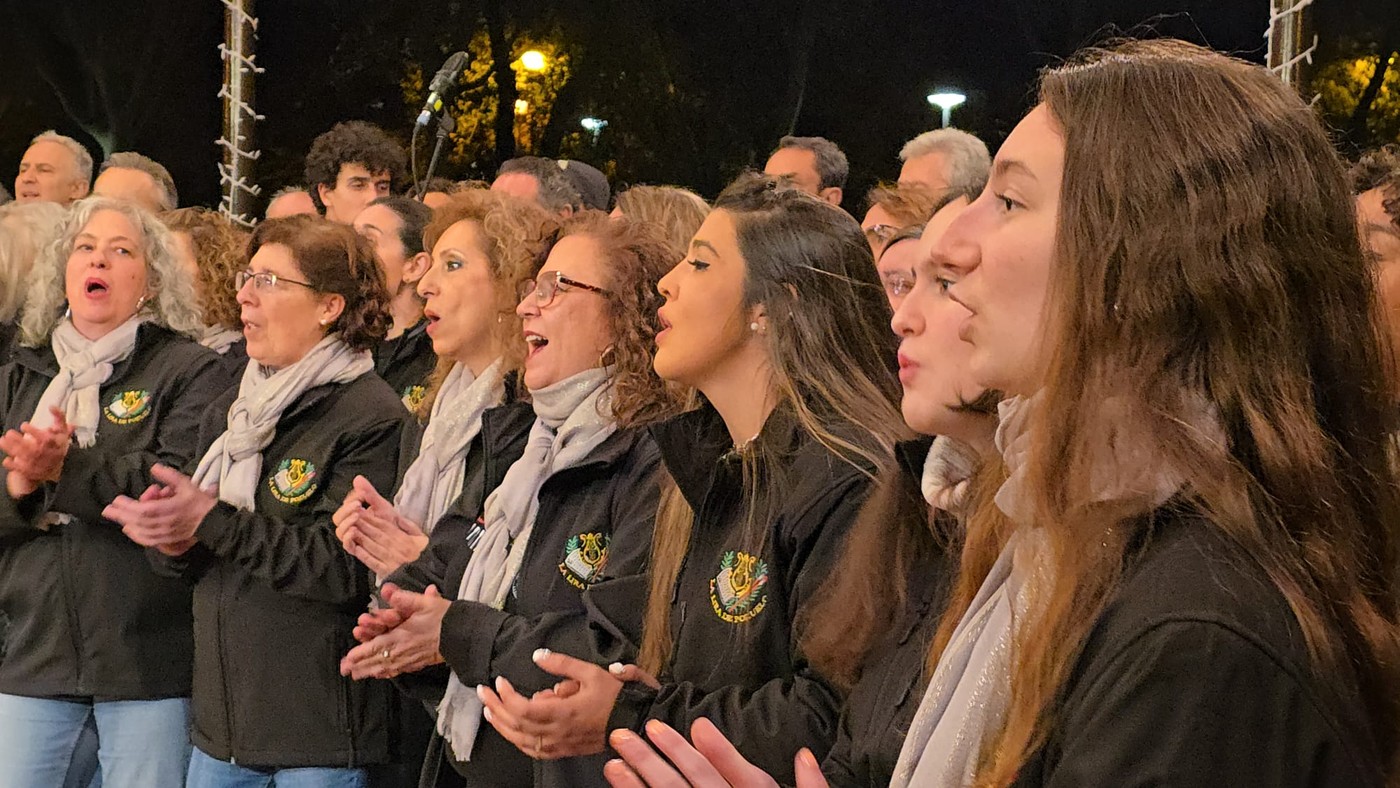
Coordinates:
<point>677,213</point>
<point>173,306</point>
<point>25,230</point>
<point>519,234</point>
<point>219,248</point>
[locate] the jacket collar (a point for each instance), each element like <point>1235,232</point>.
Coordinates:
<point>505,424</point>
<point>697,448</point>
<point>41,359</point>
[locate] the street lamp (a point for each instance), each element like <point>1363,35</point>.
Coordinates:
<point>534,60</point>
<point>946,100</point>
<point>521,106</point>
<point>593,126</point>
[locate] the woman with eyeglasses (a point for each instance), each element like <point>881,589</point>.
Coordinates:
<point>107,380</point>
<point>776,317</point>
<point>275,596</point>
<point>557,561</point>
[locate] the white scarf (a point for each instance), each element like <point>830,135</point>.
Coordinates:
<point>434,480</point>
<point>219,339</point>
<point>574,416</point>
<point>967,699</point>
<point>947,473</point>
<point>83,366</point>
<point>234,462</point>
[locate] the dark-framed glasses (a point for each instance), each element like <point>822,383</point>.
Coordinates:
<point>549,283</point>
<point>262,280</point>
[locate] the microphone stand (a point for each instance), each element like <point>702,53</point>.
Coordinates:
<point>446,125</point>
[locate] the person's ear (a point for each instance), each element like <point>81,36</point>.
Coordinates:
<point>330,309</point>
<point>415,266</point>
<point>832,194</point>
<point>321,191</point>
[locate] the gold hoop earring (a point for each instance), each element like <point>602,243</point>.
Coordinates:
<point>608,357</point>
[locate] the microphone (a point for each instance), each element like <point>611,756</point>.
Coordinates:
<point>444,85</point>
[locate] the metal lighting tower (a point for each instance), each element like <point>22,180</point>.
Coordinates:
<point>240,119</point>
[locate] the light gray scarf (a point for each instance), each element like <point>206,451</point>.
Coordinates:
<point>434,480</point>
<point>573,417</point>
<point>83,366</point>
<point>234,462</point>
<point>947,474</point>
<point>969,694</point>
<point>219,339</point>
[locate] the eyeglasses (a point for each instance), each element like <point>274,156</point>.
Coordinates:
<point>263,280</point>
<point>898,283</point>
<point>881,232</point>
<point>551,282</point>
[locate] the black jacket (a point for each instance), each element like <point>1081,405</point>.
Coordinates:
<point>879,708</point>
<point>8,334</point>
<point>557,603</point>
<point>276,597</point>
<point>87,616</point>
<point>406,363</point>
<point>1197,674</point>
<point>735,658</point>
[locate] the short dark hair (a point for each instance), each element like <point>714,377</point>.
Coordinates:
<point>557,192</point>
<point>832,166</point>
<point>414,216</point>
<point>433,184</point>
<point>1380,169</point>
<point>351,142</point>
<point>334,258</point>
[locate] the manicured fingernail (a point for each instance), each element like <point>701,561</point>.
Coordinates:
<point>481,693</point>
<point>616,668</point>
<point>540,653</point>
<point>622,736</point>
<point>500,683</point>
<point>486,712</point>
<point>654,727</point>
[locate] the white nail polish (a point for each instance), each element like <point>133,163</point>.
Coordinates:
<point>540,653</point>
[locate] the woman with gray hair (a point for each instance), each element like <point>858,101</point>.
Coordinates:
<point>106,381</point>
<point>25,229</point>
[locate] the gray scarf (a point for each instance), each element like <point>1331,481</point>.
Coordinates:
<point>219,339</point>
<point>970,692</point>
<point>83,366</point>
<point>435,478</point>
<point>234,462</point>
<point>573,417</point>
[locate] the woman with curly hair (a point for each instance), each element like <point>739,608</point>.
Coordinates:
<point>275,596</point>
<point>26,229</point>
<point>107,381</point>
<point>558,558</point>
<point>211,248</point>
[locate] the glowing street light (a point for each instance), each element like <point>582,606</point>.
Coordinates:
<point>946,100</point>
<point>521,106</point>
<point>534,60</point>
<point>593,126</point>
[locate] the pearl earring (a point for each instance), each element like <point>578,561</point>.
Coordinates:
<point>753,326</point>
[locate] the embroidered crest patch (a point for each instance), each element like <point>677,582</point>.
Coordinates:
<point>738,592</point>
<point>413,396</point>
<point>584,557</point>
<point>294,481</point>
<point>128,407</point>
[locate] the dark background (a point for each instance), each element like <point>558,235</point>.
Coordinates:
<point>693,90</point>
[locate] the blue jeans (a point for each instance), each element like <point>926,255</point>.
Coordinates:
<point>209,772</point>
<point>139,742</point>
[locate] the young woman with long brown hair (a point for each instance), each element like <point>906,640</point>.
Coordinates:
<point>776,317</point>
<point>1198,585</point>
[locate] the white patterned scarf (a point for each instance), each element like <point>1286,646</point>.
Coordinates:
<point>573,417</point>
<point>434,480</point>
<point>234,461</point>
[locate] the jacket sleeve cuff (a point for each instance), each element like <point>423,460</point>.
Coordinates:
<point>630,709</point>
<point>469,638</point>
<point>216,529</point>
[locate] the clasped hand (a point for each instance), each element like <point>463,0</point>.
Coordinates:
<point>166,515</point>
<point>401,638</point>
<point>370,529</point>
<point>34,455</point>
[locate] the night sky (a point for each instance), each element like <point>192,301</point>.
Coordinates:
<point>872,63</point>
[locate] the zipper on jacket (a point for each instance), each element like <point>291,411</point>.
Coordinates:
<point>67,551</point>
<point>223,666</point>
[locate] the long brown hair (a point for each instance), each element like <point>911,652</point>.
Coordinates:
<point>831,352</point>
<point>1225,268</point>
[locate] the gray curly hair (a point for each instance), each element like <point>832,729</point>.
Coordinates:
<point>174,305</point>
<point>25,231</point>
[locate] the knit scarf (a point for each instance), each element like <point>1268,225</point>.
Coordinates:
<point>83,366</point>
